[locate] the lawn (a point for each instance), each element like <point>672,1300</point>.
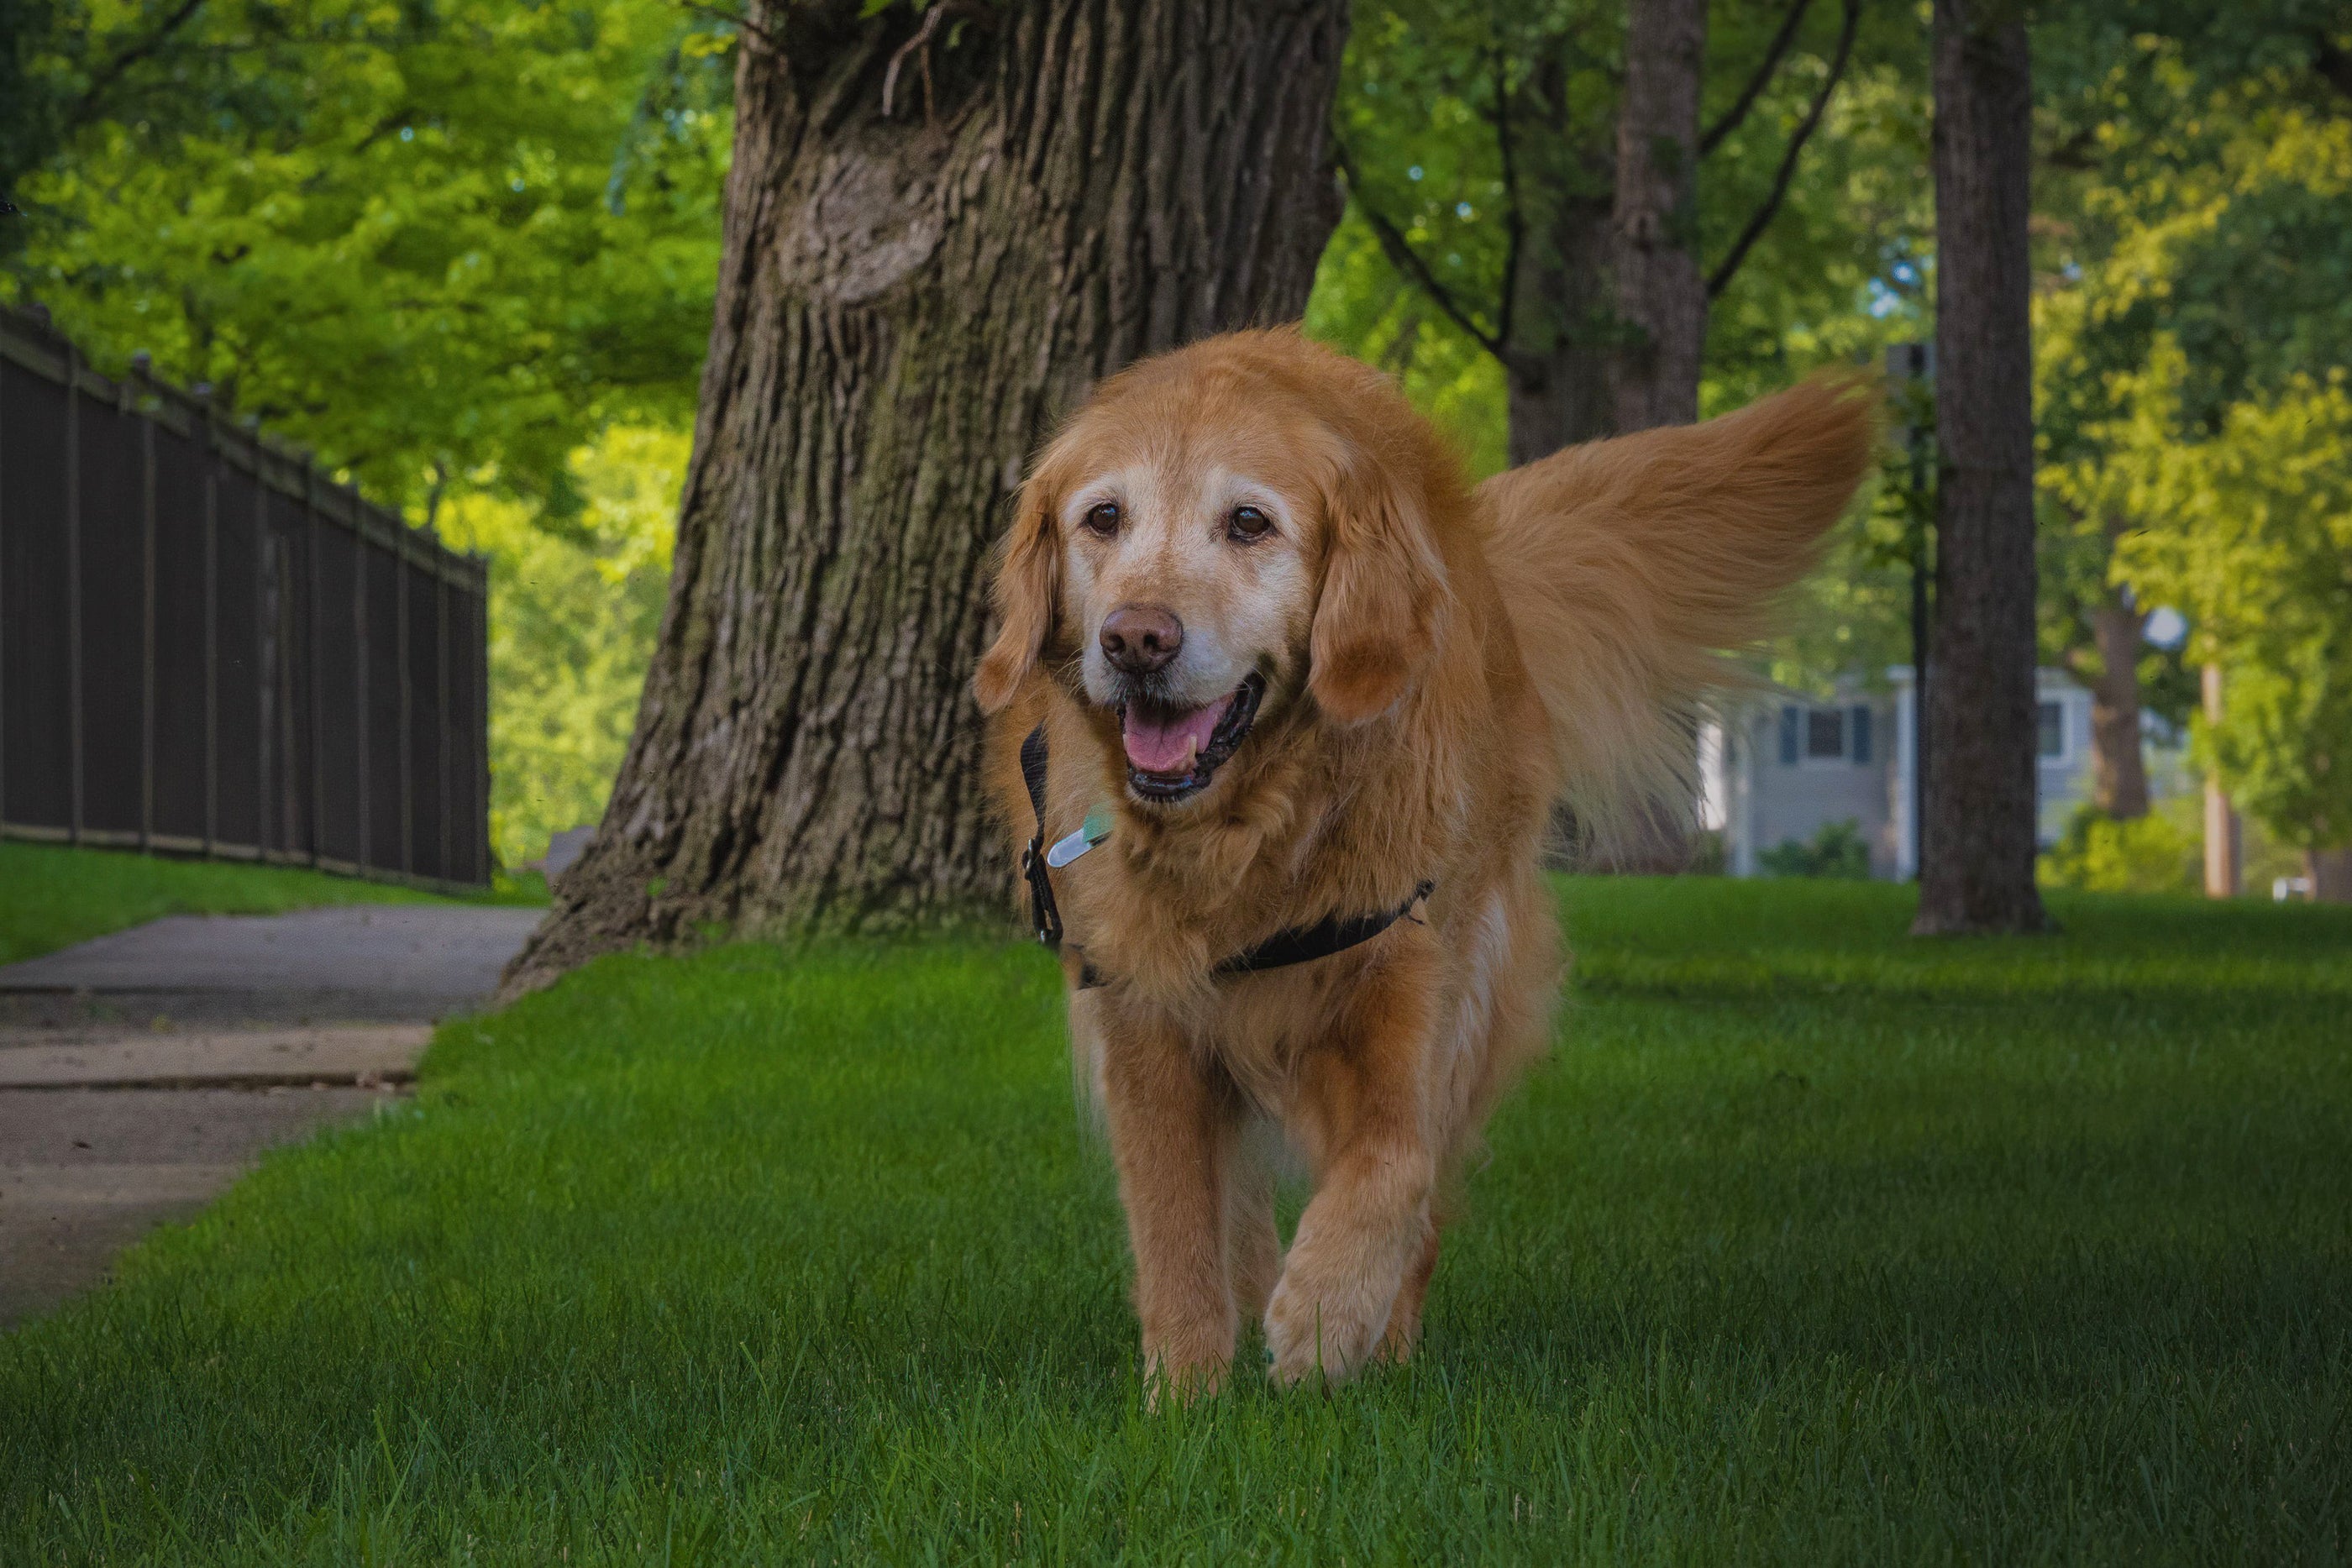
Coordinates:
<point>1811,1243</point>
<point>53,896</point>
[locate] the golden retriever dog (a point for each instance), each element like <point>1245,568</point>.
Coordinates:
<point>1298,701</point>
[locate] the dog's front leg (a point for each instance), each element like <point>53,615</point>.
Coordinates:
<point>1360,1110</point>
<point>1171,1130</point>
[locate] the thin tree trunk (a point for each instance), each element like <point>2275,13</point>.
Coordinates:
<point>2118,768</point>
<point>1557,394</point>
<point>1660,299</point>
<point>1978,872</point>
<point>1555,399</point>
<point>1660,294</point>
<point>907,303</point>
<point>2330,872</point>
<point>1557,373</point>
<point>2224,848</point>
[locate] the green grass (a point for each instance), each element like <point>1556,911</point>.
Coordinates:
<point>1811,1243</point>
<point>53,896</point>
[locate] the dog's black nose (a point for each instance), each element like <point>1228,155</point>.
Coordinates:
<point>1141,638</point>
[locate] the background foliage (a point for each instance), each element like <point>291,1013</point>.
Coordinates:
<point>465,250</point>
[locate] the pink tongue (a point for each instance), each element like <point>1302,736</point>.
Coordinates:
<point>1165,743</point>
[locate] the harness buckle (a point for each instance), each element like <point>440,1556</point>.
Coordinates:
<point>1044,916</point>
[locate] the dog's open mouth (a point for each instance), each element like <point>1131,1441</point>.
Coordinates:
<point>1171,752</point>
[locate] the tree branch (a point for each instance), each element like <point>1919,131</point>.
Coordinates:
<point>1763,215</point>
<point>765,42</point>
<point>1405,259</point>
<point>919,45</point>
<point>2075,151</point>
<point>102,82</point>
<point>1515,228</point>
<point>1714,134</point>
<point>2332,62</point>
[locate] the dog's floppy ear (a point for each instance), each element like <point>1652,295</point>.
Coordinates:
<point>1028,583</point>
<point>1384,591</point>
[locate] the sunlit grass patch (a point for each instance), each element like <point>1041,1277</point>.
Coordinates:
<point>1812,1242</point>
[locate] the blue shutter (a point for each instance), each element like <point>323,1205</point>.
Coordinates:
<point>1788,737</point>
<point>1858,732</point>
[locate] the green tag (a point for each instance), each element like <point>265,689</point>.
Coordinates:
<point>1092,831</point>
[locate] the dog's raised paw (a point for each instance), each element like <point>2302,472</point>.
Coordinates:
<point>1309,1338</point>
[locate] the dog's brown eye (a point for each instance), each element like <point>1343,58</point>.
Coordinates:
<point>1102,518</point>
<point>1249,523</point>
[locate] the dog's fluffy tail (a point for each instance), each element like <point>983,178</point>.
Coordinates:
<point>1629,567</point>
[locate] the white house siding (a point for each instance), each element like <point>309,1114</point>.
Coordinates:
<point>1760,799</point>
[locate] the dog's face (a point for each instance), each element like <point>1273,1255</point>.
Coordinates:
<point>1189,587</point>
<point>1213,540</point>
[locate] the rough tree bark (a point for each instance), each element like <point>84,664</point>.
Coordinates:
<point>2118,768</point>
<point>1660,294</point>
<point>1978,871</point>
<point>1558,387</point>
<point>1556,398</point>
<point>909,297</point>
<point>2109,670</point>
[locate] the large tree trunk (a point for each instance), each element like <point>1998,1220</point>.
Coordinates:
<point>1555,399</point>
<point>2118,768</point>
<point>1977,870</point>
<point>907,302</point>
<point>1661,306</point>
<point>1660,293</point>
<point>1557,376</point>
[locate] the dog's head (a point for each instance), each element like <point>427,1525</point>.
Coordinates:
<point>1219,535</point>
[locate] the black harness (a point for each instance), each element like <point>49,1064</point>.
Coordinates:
<point>1298,945</point>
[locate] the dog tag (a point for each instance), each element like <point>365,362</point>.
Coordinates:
<point>1092,831</point>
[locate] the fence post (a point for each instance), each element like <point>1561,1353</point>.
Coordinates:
<point>4,601</point>
<point>360,681</point>
<point>441,703</point>
<point>210,447</point>
<point>139,370</point>
<point>400,567</point>
<point>268,650</point>
<point>480,728</point>
<point>73,577</point>
<point>318,717</point>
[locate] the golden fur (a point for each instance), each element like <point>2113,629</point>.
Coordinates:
<point>1441,664</point>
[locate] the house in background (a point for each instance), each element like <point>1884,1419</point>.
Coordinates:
<point>1779,771</point>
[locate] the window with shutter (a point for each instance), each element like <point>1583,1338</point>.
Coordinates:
<point>1825,733</point>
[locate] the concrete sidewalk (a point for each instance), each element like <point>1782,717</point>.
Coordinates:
<point>377,962</point>
<point>142,1073</point>
<point>365,1055</point>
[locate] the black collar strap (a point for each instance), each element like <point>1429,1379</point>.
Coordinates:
<point>1043,912</point>
<point>1298,945</point>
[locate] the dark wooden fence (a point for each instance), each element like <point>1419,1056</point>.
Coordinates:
<point>208,647</point>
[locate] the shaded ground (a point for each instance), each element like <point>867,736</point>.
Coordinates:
<point>54,895</point>
<point>89,1171</point>
<point>387,962</point>
<point>1811,1243</point>
<point>141,1072</point>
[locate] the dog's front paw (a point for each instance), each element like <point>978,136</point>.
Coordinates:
<point>1311,1335</point>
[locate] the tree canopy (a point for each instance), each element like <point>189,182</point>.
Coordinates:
<point>2194,333</point>
<point>441,245</point>
<point>467,250</point>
